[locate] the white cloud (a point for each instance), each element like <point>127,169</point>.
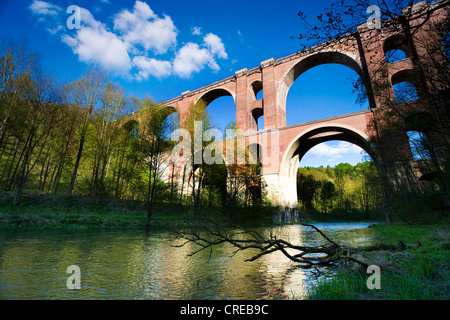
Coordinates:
<point>126,47</point>
<point>44,8</point>
<point>48,14</point>
<point>335,151</point>
<point>150,66</point>
<point>215,45</point>
<point>94,43</point>
<point>55,30</point>
<point>88,20</point>
<point>332,153</point>
<point>191,58</point>
<point>143,27</point>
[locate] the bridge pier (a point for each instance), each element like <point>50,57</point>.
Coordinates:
<point>284,196</point>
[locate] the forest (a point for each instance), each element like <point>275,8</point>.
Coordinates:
<point>75,140</point>
<point>340,192</point>
<point>64,138</point>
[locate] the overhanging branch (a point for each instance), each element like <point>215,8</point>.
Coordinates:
<point>305,256</point>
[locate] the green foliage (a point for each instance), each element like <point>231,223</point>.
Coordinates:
<point>412,285</point>
<point>417,273</point>
<point>344,191</point>
<point>327,194</point>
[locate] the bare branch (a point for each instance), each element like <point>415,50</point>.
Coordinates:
<point>321,233</point>
<point>306,256</point>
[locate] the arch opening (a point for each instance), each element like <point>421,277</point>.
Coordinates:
<point>405,91</point>
<point>406,86</point>
<point>219,107</point>
<point>339,180</point>
<point>259,95</point>
<point>323,86</point>
<point>131,129</point>
<point>255,96</point>
<point>313,187</point>
<point>212,95</point>
<point>256,90</point>
<point>395,55</point>
<point>320,59</point>
<point>396,48</point>
<point>447,47</point>
<point>172,118</point>
<point>419,144</point>
<point>260,123</point>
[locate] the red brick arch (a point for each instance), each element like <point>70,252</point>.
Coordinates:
<point>311,61</point>
<point>214,94</point>
<point>303,142</point>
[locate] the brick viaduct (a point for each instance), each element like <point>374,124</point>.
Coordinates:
<point>362,51</point>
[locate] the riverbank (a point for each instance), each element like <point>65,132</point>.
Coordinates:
<point>42,211</point>
<point>56,211</point>
<point>420,271</point>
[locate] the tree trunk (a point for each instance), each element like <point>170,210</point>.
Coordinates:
<point>75,169</point>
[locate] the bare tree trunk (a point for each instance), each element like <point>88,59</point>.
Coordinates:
<point>75,168</point>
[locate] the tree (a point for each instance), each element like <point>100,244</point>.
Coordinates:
<point>245,185</point>
<point>42,99</point>
<point>153,145</point>
<point>85,94</point>
<point>327,194</point>
<point>16,65</point>
<point>62,143</point>
<point>194,169</point>
<point>307,188</point>
<point>112,106</point>
<point>368,191</point>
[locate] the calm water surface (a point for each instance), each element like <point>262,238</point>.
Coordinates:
<point>130,264</point>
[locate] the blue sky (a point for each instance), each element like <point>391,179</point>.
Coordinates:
<point>160,49</point>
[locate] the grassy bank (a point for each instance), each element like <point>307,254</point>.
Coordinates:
<point>39,211</point>
<point>56,211</point>
<point>420,272</point>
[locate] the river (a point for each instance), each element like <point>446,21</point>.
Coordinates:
<point>132,264</point>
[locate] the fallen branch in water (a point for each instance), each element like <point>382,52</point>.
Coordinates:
<point>306,256</point>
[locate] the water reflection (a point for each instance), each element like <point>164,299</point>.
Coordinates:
<point>130,264</point>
